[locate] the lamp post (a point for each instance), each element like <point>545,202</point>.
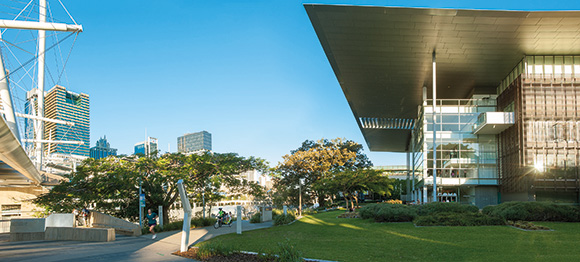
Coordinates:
<point>300,196</point>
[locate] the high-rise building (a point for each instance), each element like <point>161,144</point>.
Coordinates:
<point>484,103</point>
<point>146,147</point>
<point>102,149</point>
<point>194,142</point>
<point>65,105</point>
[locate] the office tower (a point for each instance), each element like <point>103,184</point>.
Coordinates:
<point>61,104</point>
<point>194,142</point>
<point>102,149</point>
<point>147,147</point>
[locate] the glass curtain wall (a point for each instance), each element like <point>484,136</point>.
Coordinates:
<point>461,155</point>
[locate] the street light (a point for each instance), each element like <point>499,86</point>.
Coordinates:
<point>300,182</point>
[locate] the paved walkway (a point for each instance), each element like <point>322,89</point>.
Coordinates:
<point>124,248</point>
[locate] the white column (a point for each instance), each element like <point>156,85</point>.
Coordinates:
<point>434,128</point>
<point>425,195</point>
<point>239,220</point>
<point>160,214</point>
<point>408,193</point>
<point>413,165</point>
<point>40,99</point>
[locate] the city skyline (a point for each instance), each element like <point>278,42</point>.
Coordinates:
<point>260,78</point>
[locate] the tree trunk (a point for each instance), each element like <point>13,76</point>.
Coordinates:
<point>356,199</point>
<point>321,199</point>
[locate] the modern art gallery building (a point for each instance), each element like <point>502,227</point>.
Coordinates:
<point>506,86</point>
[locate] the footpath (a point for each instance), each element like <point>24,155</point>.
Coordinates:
<point>124,248</point>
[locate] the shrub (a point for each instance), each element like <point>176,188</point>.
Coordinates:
<point>215,248</point>
<point>256,218</point>
<point>388,213</point>
<point>202,222</point>
<point>458,219</point>
<point>526,225</point>
<point>534,211</point>
<point>440,207</point>
<point>288,253</point>
<point>394,201</point>
<point>177,225</point>
<point>284,219</point>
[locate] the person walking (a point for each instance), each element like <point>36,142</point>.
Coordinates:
<point>152,221</point>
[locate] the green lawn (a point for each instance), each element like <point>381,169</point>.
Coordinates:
<point>323,236</point>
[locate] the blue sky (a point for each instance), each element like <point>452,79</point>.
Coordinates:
<point>252,73</point>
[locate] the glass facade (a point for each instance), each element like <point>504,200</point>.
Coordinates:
<point>194,142</point>
<point>540,154</point>
<point>464,159</point>
<point>102,149</point>
<point>147,147</point>
<point>65,105</point>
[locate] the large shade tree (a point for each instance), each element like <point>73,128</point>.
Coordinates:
<point>352,182</point>
<point>317,160</point>
<point>111,184</point>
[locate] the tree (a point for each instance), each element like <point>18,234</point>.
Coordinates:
<point>111,185</point>
<point>352,182</point>
<point>314,161</point>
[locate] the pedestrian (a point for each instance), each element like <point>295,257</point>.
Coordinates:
<point>85,216</point>
<point>152,221</point>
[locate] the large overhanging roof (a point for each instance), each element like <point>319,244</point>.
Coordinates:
<point>382,56</point>
<point>16,168</point>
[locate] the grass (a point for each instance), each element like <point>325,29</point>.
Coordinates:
<point>324,236</point>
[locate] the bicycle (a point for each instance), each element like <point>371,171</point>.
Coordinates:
<point>219,223</point>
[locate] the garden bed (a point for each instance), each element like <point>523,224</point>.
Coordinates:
<point>234,257</point>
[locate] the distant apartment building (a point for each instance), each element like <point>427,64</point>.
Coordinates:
<point>65,105</point>
<point>194,142</point>
<point>147,147</point>
<point>102,149</point>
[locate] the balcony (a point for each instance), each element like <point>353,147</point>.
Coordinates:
<point>493,123</point>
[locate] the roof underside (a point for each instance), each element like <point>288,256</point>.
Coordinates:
<point>382,56</point>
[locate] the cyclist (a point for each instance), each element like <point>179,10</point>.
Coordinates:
<point>221,215</point>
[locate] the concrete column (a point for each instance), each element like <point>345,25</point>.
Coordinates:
<point>239,220</point>
<point>160,214</point>
<point>425,196</point>
<point>434,128</point>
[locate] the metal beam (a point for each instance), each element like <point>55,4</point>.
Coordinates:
<point>31,25</point>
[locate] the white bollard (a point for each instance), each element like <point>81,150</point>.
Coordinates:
<point>160,216</point>
<point>239,221</point>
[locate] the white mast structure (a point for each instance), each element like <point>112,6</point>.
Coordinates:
<point>10,115</point>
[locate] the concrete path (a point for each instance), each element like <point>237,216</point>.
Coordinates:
<point>122,249</point>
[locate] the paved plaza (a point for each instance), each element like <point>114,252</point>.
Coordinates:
<point>124,248</point>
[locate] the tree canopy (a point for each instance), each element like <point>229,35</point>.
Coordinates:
<point>315,161</point>
<point>111,184</point>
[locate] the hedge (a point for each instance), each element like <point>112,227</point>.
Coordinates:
<point>440,207</point>
<point>388,213</point>
<point>458,219</point>
<point>534,211</point>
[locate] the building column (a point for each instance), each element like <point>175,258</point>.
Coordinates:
<point>434,128</point>
<point>408,191</point>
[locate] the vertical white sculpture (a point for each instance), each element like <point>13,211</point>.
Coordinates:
<point>186,215</point>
